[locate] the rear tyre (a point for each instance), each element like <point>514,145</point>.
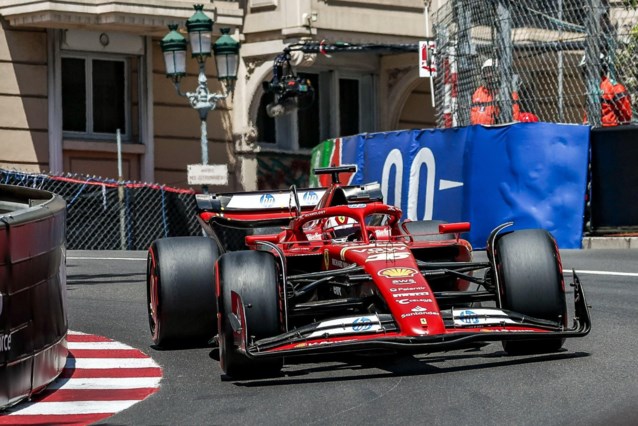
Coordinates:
<point>427,227</point>
<point>528,264</point>
<point>180,290</point>
<point>255,277</point>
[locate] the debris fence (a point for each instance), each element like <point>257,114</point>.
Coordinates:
<point>104,214</point>
<point>551,52</point>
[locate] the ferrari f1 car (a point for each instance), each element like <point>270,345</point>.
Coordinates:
<point>316,271</point>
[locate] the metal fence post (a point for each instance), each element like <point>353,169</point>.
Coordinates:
<point>466,66</point>
<point>120,191</point>
<point>592,61</point>
<point>504,54</point>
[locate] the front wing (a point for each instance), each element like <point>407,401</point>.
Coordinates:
<point>381,333</point>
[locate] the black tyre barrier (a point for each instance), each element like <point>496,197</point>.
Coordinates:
<point>614,179</point>
<point>33,323</point>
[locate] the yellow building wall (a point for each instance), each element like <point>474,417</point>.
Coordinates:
<point>24,141</point>
<point>417,112</point>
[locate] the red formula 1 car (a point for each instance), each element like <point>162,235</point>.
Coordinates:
<point>290,273</point>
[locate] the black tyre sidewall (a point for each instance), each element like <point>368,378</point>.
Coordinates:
<point>530,274</point>
<point>184,267</point>
<point>254,276</point>
<point>531,282</point>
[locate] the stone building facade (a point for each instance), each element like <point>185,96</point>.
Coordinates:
<point>73,71</point>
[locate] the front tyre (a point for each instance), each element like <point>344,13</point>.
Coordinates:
<point>180,289</point>
<point>254,276</point>
<point>530,274</point>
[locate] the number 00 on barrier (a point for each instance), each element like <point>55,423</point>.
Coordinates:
<point>423,157</point>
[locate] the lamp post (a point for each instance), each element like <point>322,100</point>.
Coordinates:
<point>226,50</point>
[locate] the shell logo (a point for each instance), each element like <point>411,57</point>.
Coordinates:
<point>397,272</point>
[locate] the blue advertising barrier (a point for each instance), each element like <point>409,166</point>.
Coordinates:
<point>534,174</point>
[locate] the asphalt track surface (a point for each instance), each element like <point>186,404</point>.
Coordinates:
<point>594,381</point>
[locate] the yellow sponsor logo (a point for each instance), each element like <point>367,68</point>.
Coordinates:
<point>397,272</point>
<point>326,259</point>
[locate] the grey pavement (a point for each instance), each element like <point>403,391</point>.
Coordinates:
<point>617,242</point>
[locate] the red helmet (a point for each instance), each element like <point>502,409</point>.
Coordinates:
<point>528,117</point>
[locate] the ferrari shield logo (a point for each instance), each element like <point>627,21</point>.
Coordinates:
<point>326,259</point>
<point>397,272</point>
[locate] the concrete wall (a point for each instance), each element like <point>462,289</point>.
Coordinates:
<point>33,322</point>
<point>417,112</point>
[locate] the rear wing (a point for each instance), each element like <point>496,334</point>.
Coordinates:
<point>263,201</point>
<point>229,218</point>
<point>269,202</point>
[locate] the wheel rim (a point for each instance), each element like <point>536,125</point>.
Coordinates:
<point>153,296</point>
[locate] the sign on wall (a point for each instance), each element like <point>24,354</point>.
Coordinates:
<point>209,174</point>
<point>427,64</point>
<point>534,174</point>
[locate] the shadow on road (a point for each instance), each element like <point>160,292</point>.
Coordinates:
<point>404,365</point>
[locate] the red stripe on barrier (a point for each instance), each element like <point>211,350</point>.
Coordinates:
<point>72,395</point>
<point>107,353</point>
<point>112,184</point>
<point>86,338</point>
<point>109,373</point>
<point>84,182</point>
<point>54,419</point>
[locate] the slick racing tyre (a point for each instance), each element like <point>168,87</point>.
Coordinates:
<point>427,227</point>
<point>180,289</point>
<point>528,264</point>
<point>254,276</point>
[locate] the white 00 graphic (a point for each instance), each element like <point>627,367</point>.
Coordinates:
<point>423,157</point>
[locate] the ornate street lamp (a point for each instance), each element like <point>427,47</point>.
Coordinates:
<point>174,48</point>
<point>226,49</point>
<point>200,30</point>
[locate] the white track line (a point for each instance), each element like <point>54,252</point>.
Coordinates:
<point>98,345</point>
<point>108,363</point>
<point>134,259</point>
<point>72,407</point>
<point>618,274</point>
<point>106,383</point>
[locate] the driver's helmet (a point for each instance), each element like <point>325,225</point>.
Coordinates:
<point>341,228</point>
